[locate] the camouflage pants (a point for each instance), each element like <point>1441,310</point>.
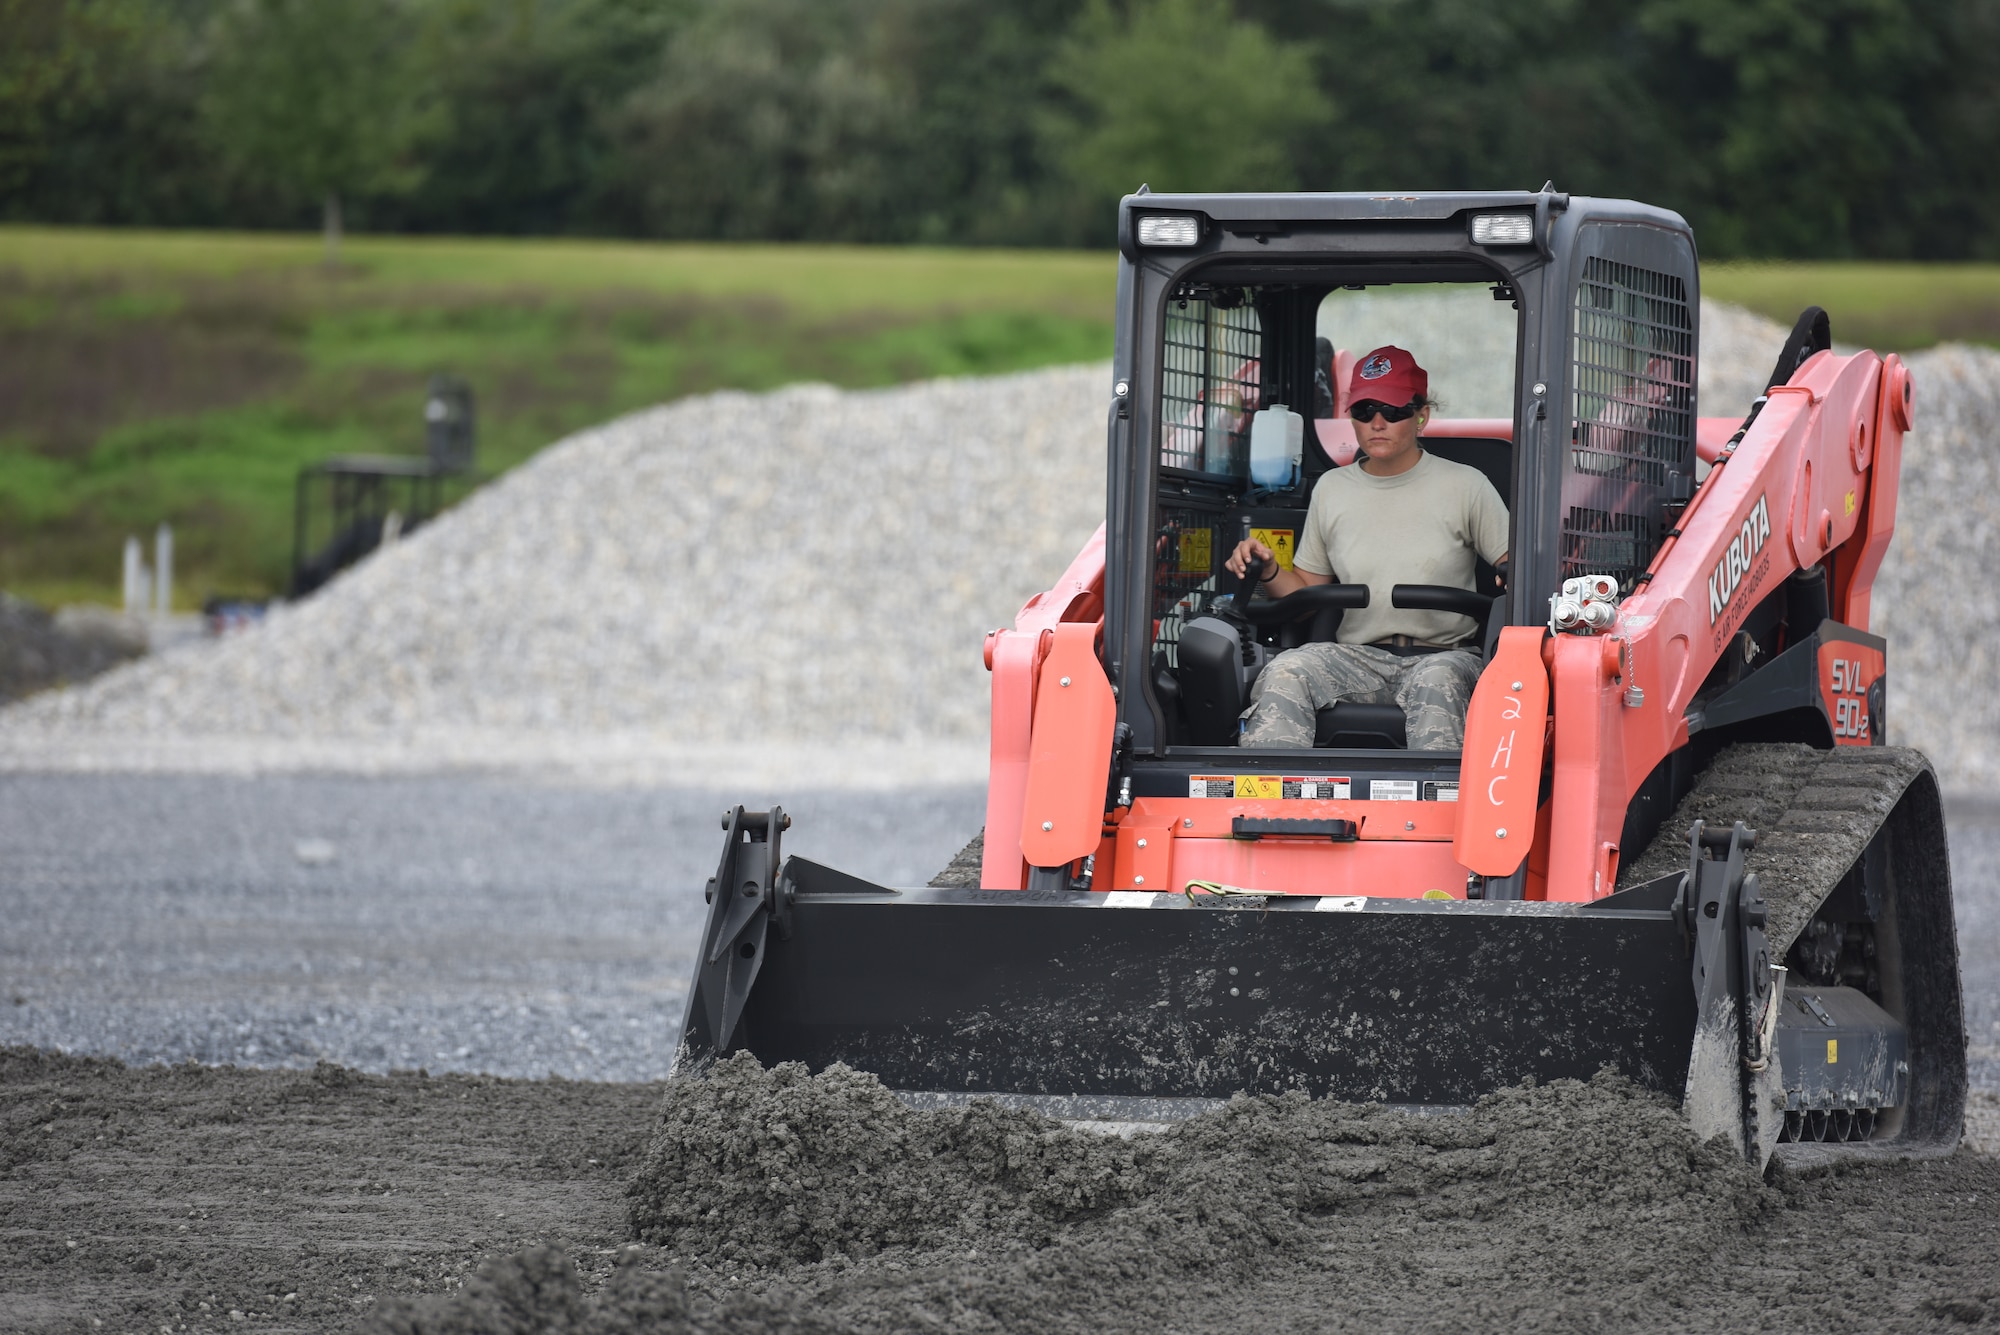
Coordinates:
<point>1433,690</point>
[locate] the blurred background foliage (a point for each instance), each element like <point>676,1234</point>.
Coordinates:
<point>583,207</point>
<point>1781,128</point>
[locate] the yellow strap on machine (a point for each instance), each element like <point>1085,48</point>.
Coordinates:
<point>1218,888</point>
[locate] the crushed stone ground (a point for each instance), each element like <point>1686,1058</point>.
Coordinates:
<point>771,1201</point>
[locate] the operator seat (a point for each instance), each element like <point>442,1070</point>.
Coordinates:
<point>1204,667</point>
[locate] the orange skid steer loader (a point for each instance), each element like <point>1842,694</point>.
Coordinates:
<point>1672,843</point>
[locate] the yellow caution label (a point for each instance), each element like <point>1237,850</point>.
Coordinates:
<point>1197,551</point>
<point>1269,786</point>
<point>1833,1052</point>
<point>1437,894</point>
<point>1279,540</point>
<point>1850,502</point>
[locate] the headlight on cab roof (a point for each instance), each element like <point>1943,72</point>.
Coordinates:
<point>1169,229</point>
<point>1503,229</point>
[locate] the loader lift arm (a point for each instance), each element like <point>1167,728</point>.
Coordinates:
<point>1803,488</point>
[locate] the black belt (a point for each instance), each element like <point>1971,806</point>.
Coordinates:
<point>1405,646</point>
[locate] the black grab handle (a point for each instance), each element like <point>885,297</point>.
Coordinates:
<point>1441,598</point>
<point>1305,602</point>
<point>1256,827</point>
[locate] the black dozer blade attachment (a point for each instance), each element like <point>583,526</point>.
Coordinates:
<point>745,906</point>
<point>1096,998</point>
<point>1135,1006</point>
<point>1733,1087</point>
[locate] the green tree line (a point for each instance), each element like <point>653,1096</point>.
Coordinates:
<point>1781,128</point>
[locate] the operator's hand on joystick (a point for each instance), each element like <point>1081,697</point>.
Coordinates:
<point>1247,551</point>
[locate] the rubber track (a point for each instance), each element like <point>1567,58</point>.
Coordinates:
<point>1814,812</point>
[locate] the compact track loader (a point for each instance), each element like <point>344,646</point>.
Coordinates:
<point>1673,843</point>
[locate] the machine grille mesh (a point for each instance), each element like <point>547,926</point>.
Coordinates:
<point>1599,543</point>
<point>1189,543</point>
<point>1214,341</point>
<point>1633,419</point>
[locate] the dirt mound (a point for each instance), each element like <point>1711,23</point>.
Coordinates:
<point>776,1168</point>
<point>831,1203</point>
<point>769,1169</point>
<point>313,1201</point>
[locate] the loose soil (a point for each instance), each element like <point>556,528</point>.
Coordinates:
<point>162,1196</point>
<point>174,1198</point>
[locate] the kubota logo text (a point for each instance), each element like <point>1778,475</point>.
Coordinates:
<point>1735,562</point>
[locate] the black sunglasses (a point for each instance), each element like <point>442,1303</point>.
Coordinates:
<point>1366,409</point>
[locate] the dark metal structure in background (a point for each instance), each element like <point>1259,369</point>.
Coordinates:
<point>360,493</point>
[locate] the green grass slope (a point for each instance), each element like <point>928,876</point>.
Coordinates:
<point>1889,307</point>
<point>187,377</point>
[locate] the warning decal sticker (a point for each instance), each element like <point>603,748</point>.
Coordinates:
<point>1197,551</point>
<point>1290,787</point>
<point>1311,786</point>
<point>1279,540</point>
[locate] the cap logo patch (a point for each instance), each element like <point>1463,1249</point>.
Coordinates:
<point>1375,367</point>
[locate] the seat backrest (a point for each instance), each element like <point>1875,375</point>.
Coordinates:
<point>1493,457</point>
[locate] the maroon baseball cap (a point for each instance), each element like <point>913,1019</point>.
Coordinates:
<point>1388,375</point>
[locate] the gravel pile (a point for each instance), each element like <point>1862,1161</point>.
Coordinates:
<point>806,565</point>
<point>1938,596</point>
<point>1738,350</point>
<point>796,573</point>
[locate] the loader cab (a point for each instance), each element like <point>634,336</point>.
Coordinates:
<point>1559,336</point>
<point>1236,461</point>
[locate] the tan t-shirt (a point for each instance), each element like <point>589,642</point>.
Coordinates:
<point>1420,527</point>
